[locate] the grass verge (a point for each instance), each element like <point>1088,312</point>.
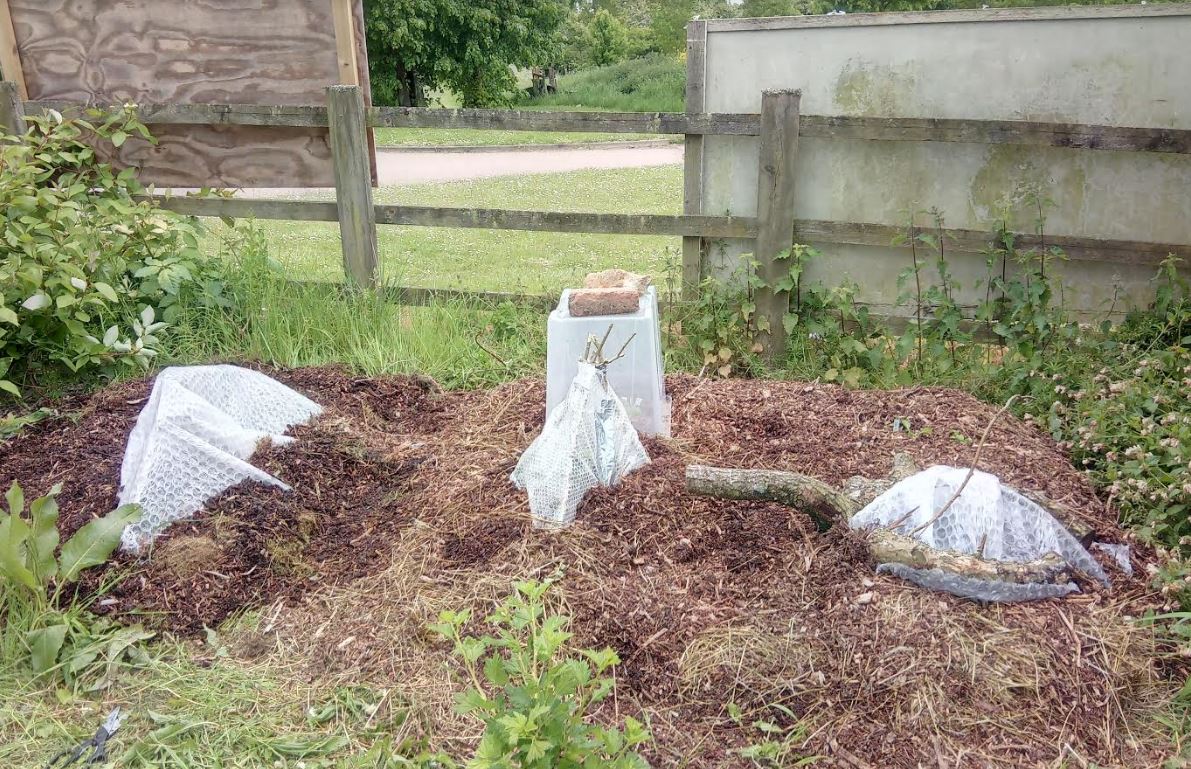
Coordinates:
<point>494,260</point>
<point>650,84</point>
<point>217,705</point>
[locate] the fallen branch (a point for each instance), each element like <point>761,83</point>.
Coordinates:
<point>824,503</point>
<point>890,547</point>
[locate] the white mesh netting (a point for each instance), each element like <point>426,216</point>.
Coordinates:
<point>588,441</point>
<point>192,438</point>
<point>987,517</point>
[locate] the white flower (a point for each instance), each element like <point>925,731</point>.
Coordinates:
<point>78,283</point>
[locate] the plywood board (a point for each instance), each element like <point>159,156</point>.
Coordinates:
<point>280,52</point>
<point>1115,66</point>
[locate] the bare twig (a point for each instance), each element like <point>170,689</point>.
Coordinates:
<point>593,352</point>
<point>623,347</point>
<point>971,470</point>
<point>498,359</point>
<point>604,341</point>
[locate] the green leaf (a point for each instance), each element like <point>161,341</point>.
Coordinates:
<point>785,283</point>
<point>494,671</point>
<point>106,291</point>
<point>634,732</point>
<point>15,497</point>
<point>44,646</point>
<point>44,539</point>
<point>93,544</point>
<point>14,534</point>
<point>118,138</point>
<point>8,316</point>
<point>9,387</point>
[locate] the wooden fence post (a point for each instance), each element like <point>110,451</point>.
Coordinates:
<point>353,184</point>
<point>775,212</point>
<point>692,170</point>
<point>12,109</point>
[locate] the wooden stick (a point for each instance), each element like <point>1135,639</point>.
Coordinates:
<point>345,41</point>
<point>825,504</point>
<point>777,159</point>
<point>12,110</point>
<point>624,347</point>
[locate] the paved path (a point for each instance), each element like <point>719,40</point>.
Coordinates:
<point>397,167</point>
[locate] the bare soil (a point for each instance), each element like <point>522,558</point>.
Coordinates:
<point>706,601</point>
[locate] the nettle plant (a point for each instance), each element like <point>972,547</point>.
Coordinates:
<point>938,329</point>
<point>533,695</point>
<point>89,271</point>
<point>35,569</point>
<point>724,325</point>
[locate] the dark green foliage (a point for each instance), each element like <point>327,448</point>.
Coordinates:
<point>466,46</point>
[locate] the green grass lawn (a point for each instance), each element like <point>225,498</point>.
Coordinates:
<point>496,260</point>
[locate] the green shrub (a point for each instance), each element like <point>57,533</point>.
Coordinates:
<point>534,696</point>
<point>89,272</point>
<point>1124,413</point>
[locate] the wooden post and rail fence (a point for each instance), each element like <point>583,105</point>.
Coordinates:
<point>774,228</point>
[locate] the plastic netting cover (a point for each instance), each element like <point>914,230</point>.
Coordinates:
<point>987,515</point>
<point>193,437</point>
<point>978,589</point>
<point>588,441</point>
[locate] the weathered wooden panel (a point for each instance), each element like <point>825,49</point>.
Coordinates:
<point>279,52</point>
<point>977,111</point>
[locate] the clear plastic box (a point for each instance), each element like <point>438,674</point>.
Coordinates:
<point>637,378</point>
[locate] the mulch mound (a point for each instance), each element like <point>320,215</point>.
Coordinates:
<point>706,601</point>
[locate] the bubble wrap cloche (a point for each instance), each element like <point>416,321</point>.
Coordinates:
<point>588,441</point>
<point>193,438</point>
<point>987,517</point>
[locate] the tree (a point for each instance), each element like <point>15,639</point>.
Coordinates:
<point>760,8</point>
<point>608,39</point>
<point>466,46</point>
<point>668,20</point>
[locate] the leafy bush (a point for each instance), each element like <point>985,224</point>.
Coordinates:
<point>1125,416</point>
<point>31,562</point>
<point>89,272</point>
<point>532,695</point>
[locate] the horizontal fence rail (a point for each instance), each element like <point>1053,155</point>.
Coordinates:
<point>805,230</point>
<point>473,218</point>
<point>1021,132</point>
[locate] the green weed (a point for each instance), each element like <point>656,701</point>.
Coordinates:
<point>535,693</point>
